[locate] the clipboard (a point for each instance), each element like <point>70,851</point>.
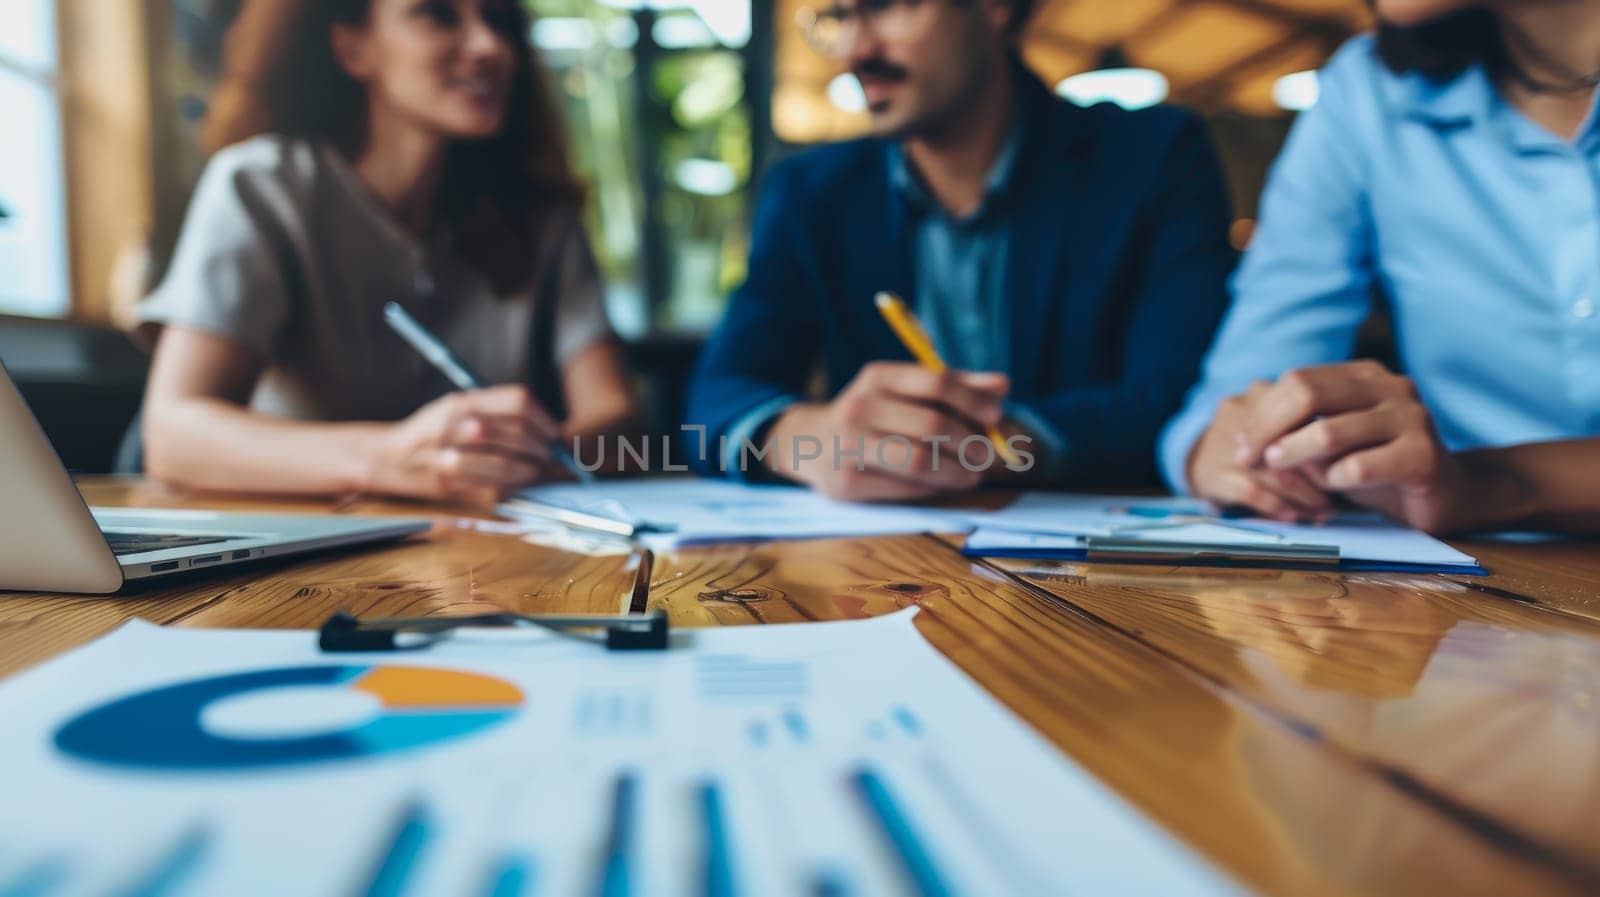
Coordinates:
<point>1115,548</point>
<point>1297,557</point>
<point>1184,532</point>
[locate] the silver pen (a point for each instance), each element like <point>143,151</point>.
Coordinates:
<point>436,353</point>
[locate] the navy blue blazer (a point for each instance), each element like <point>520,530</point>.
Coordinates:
<point>1116,280</point>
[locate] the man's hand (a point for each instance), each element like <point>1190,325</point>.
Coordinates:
<point>1352,428</point>
<point>909,423</point>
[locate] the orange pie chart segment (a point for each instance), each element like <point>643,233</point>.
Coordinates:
<point>416,688</point>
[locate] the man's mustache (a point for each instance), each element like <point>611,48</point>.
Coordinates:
<point>879,70</point>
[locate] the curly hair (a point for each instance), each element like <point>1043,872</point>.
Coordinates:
<point>280,76</point>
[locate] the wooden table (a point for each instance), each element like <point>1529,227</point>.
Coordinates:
<point>1313,733</point>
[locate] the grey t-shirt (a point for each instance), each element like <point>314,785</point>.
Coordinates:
<point>285,251</point>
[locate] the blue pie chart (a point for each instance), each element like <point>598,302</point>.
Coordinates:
<point>402,709</point>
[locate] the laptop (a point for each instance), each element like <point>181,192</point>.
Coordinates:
<point>51,541</point>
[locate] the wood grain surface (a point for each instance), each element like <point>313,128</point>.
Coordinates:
<point>1311,733</point>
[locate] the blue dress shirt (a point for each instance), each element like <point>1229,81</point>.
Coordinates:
<point>960,297</point>
<point>1112,278</point>
<point>1481,228</point>
<point>961,263</point>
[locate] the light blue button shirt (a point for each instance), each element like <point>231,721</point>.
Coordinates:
<point>1481,228</point>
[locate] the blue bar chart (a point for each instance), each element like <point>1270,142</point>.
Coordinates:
<point>739,764</point>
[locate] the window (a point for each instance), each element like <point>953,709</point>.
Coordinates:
<point>662,127</point>
<point>33,236</point>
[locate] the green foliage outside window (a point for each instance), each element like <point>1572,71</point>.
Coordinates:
<point>687,146</point>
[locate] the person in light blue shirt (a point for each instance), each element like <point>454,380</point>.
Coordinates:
<point>1452,164</point>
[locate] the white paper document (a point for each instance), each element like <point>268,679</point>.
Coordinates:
<point>1042,524</point>
<point>696,511</point>
<point>828,758</point>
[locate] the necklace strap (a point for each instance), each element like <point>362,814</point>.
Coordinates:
<point>1534,85</point>
<point>1573,83</point>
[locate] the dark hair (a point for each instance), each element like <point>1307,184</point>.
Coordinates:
<point>1021,12</point>
<point>280,76</point>
<point>1443,48</point>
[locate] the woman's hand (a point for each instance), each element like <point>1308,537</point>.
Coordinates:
<point>1353,429</point>
<point>1222,467</point>
<point>471,446</point>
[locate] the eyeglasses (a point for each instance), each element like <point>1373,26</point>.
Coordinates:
<point>832,30</point>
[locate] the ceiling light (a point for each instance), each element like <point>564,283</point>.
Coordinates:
<point>1130,88</point>
<point>1296,92</point>
<point>845,93</point>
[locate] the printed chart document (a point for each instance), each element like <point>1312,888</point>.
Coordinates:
<point>1055,525</point>
<point>828,758</point>
<point>682,511</point>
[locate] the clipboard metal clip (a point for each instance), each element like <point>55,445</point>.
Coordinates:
<point>630,632</point>
<point>1112,548</point>
<point>638,630</point>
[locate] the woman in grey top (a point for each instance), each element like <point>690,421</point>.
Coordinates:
<point>378,150</point>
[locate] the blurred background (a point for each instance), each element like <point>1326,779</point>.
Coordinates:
<point>675,108</point>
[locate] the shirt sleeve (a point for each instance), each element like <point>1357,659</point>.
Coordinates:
<point>1305,286</point>
<point>580,319</point>
<point>741,440</point>
<point>1044,432</point>
<point>227,274</point>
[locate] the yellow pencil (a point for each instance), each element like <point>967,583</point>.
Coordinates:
<point>906,326</point>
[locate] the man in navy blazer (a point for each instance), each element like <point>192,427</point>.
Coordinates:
<point>1069,263</point>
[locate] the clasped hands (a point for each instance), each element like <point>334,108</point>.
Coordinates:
<point>1285,449</point>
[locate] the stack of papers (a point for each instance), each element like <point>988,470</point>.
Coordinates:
<point>679,512</point>
<point>1080,527</point>
<point>674,513</point>
<point>829,758</point>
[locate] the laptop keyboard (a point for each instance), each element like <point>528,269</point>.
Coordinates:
<point>135,543</point>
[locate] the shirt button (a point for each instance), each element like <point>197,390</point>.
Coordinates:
<point>1583,309</point>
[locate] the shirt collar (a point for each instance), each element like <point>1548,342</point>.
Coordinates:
<point>1472,99</point>
<point>1467,98</point>
<point>1001,174</point>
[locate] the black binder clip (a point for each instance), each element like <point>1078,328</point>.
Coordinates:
<point>631,632</point>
